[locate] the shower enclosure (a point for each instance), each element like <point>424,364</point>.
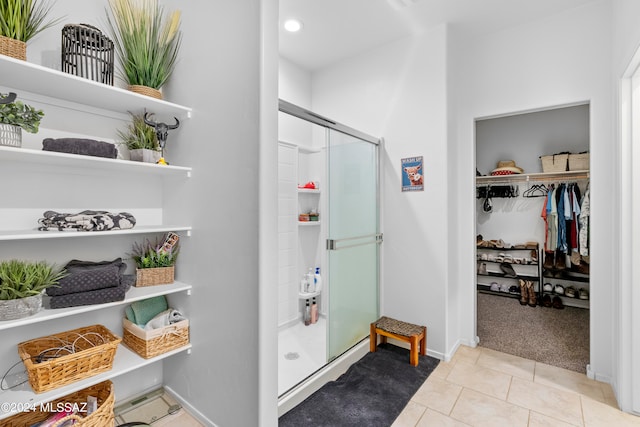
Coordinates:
<point>343,164</point>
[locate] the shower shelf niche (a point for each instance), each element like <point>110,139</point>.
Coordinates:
<point>307,295</point>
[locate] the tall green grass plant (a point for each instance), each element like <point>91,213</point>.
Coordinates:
<point>24,19</point>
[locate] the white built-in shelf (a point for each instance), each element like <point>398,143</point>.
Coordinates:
<point>134,294</point>
<point>307,295</point>
<point>125,361</point>
<point>308,191</point>
<point>20,75</point>
<point>36,234</point>
<point>528,177</point>
<point>308,223</point>
<point>65,161</point>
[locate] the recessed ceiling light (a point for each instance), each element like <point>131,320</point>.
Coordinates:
<point>292,25</point>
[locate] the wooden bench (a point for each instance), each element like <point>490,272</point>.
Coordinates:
<point>403,331</point>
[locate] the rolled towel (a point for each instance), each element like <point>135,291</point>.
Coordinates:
<point>85,276</point>
<point>140,312</point>
<point>166,318</point>
<point>82,146</point>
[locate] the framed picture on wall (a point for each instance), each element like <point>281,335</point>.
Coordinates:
<point>412,174</point>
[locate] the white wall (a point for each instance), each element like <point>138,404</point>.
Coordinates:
<point>556,61</point>
<point>399,92</point>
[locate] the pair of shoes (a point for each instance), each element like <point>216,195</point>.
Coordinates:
<point>558,289</point>
<point>570,292</point>
<point>546,300</point>
<point>524,292</point>
<point>583,294</point>
<point>547,287</point>
<point>548,261</point>
<point>561,262</point>
<point>557,303</point>
<point>531,293</point>
<point>581,268</point>
<point>508,270</point>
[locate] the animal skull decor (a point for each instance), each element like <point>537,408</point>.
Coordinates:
<point>8,99</point>
<point>162,131</point>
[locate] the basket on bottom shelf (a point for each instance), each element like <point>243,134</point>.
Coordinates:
<point>101,417</point>
<point>151,343</point>
<point>60,359</point>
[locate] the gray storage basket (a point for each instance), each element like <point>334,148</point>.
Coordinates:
<point>10,135</point>
<point>88,53</point>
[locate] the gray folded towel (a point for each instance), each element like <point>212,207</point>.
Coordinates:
<point>85,276</point>
<point>85,147</point>
<point>98,296</point>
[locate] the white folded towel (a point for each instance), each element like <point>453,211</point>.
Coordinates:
<point>163,319</point>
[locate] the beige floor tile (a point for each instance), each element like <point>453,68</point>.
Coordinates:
<point>433,418</point>
<point>442,370</point>
<point>569,381</point>
<point>609,395</point>
<point>550,401</point>
<point>467,354</point>
<point>410,415</point>
<point>539,420</point>
<point>598,414</point>
<point>507,363</point>
<point>480,410</point>
<point>438,394</point>
<point>181,419</point>
<point>481,379</point>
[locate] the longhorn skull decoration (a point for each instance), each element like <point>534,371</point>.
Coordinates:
<point>8,99</point>
<point>162,132</point>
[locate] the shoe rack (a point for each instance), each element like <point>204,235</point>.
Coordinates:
<point>500,269</point>
<point>569,281</point>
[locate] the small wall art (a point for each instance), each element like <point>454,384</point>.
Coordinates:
<point>412,174</point>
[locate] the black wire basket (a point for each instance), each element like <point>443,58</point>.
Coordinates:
<point>88,53</point>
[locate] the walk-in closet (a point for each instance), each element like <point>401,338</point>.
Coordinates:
<point>532,235</point>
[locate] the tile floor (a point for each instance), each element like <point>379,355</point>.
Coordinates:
<point>482,387</point>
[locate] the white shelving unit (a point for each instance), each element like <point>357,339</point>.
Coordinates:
<point>70,93</point>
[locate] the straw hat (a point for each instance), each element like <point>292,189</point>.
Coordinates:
<point>507,167</point>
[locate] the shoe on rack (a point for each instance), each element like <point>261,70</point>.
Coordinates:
<point>558,289</point>
<point>583,294</point>
<point>570,292</point>
<point>508,270</point>
<point>547,287</point>
<point>547,273</point>
<point>575,257</point>
<point>561,260</point>
<point>524,293</point>
<point>514,290</point>
<point>546,300</point>
<point>534,256</point>
<point>495,287</point>
<point>482,268</point>
<point>504,288</point>
<point>582,268</point>
<point>548,260</point>
<point>557,303</point>
<point>532,300</point>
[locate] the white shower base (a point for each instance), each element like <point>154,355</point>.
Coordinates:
<point>302,350</point>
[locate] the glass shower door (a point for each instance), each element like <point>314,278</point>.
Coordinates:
<point>353,240</point>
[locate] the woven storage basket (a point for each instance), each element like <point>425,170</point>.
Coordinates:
<point>91,357</point>
<point>154,276</point>
<point>10,135</point>
<point>579,162</point>
<point>146,90</point>
<point>102,417</point>
<point>554,163</point>
<point>13,48</point>
<point>156,341</point>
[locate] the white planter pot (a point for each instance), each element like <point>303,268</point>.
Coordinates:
<point>19,308</point>
<point>144,155</point>
<point>10,135</point>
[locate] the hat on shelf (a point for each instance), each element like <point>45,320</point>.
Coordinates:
<point>506,167</point>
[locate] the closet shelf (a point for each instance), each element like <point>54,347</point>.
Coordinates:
<point>519,276</point>
<point>36,234</point>
<point>23,76</point>
<point>528,177</point>
<point>64,161</point>
<point>125,361</point>
<point>134,294</point>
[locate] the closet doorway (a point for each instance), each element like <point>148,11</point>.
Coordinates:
<point>532,231</point>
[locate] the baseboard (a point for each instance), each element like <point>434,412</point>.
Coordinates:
<point>190,408</point>
<point>329,373</point>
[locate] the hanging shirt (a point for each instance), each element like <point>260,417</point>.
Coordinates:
<point>552,218</point>
<point>585,208</point>
<point>562,225</point>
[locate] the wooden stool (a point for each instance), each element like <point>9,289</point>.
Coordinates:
<point>403,331</point>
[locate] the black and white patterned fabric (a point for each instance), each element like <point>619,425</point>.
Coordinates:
<point>85,276</point>
<point>86,221</point>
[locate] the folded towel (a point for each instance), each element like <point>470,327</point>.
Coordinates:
<point>85,276</point>
<point>140,312</point>
<point>86,147</point>
<point>98,296</point>
<point>86,221</point>
<point>166,318</point>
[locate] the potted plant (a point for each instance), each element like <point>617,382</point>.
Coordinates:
<point>141,140</point>
<point>14,117</point>
<point>20,21</point>
<point>147,43</point>
<point>21,287</point>
<point>155,262</point>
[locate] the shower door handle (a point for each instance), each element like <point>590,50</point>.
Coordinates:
<point>350,242</point>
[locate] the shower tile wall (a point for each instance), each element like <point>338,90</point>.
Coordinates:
<point>287,234</point>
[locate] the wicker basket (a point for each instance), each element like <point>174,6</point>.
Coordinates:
<point>10,135</point>
<point>102,417</point>
<point>554,163</point>
<point>156,341</point>
<point>13,48</point>
<point>154,276</point>
<point>88,53</point>
<point>579,162</point>
<point>95,350</point>
<point>146,90</point>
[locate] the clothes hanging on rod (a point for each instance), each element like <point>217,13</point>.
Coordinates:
<point>563,217</point>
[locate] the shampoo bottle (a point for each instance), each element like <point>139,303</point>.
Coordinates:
<point>307,314</point>
<point>314,311</point>
<point>309,277</point>
<point>317,280</point>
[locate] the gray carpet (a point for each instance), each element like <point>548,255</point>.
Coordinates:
<point>548,335</point>
<point>372,392</point>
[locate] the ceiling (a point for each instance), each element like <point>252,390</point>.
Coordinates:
<point>338,29</point>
